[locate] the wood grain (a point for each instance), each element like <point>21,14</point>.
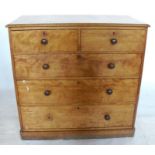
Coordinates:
<point>99,40</point>
<point>80,65</point>
<point>77,26</point>
<point>70,134</point>
<point>81,92</point>
<point>68,117</point>
<point>29,42</point>
<point>66,20</point>
<point>76,58</point>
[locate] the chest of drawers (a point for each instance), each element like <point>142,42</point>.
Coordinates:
<point>77,76</point>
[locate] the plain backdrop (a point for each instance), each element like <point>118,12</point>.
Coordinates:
<point>143,10</point>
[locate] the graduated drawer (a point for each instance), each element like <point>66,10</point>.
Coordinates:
<point>72,65</point>
<point>81,92</point>
<point>40,41</point>
<point>46,118</point>
<point>113,40</point>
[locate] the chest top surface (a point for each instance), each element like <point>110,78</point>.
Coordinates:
<point>76,20</point>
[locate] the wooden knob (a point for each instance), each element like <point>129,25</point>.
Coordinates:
<point>47,92</point>
<point>113,41</point>
<point>109,91</point>
<point>107,117</point>
<point>44,41</point>
<point>111,65</point>
<point>45,66</point>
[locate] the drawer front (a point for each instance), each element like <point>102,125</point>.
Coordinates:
<point>81,92</point>
<point>113,40</point>
<point>73,117</point>
<point>72,65</point>
<point>40,41</point>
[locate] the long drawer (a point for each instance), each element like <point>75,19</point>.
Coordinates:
<point>113,40</point>
<point>41,41</point>
<point>81,92</point>
<point>77,65</point>
<point>48,118</point>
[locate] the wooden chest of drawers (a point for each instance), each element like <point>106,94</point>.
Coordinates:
<point>77,76</point>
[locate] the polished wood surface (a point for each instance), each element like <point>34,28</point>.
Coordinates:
<point>59,20</point>
<point>82,92</point>
<point>77,65</point>
<point>68,117</point>
<point>77,79</point>
<point>100,40</point>
<point>57,40</point>
<point>78,134</point>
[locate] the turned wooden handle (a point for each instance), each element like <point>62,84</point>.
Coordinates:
<point>111,65</point>
<point>45,66</point>
<point>109,91</point>
<point>44,41</point>
<point>47,92</point>
<point>113,41</point>
<point>107,117</point>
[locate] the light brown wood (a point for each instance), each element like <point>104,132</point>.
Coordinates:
<point>100,40</point>
<point>81,92</point>
<point>77,26</point>
<point>68,117</point>
<point>15,82</point>
<point>104,133</point>
<point>139,84</point>
<point>66,20</point>
<point>80,65</point>
<point>77,74</point>
<point>29,42</point>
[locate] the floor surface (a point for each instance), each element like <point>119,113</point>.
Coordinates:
<point>145,123</point>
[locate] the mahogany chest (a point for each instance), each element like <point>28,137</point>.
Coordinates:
<point>77,76</point>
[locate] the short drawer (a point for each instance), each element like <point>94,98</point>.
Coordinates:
<point>81,92</point>
<point>113,40</point>
<point>72,65</point>
<point>41,41</point>
<point>46,118</point>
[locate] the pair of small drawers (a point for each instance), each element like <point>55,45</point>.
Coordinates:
<point>77,78</point>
